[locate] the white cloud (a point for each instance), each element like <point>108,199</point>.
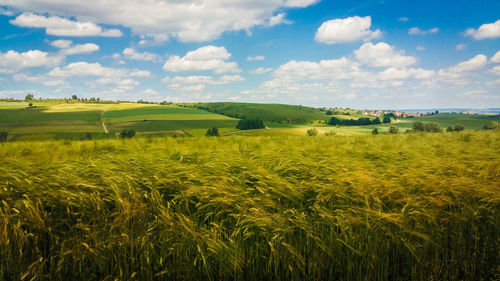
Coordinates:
<point>278,19</point>
<point>460,47</point>
<point>382,55</point>
<point>116,85</point>
<point>205,58</point>
<point>12,61</point>
<point>346,30</point>
<point>61,44</point>
<point>209,80</point>
<point>496,70</point>
<point>261,70</point>
<point>418,31</point>
<point>78,69</point>
<point>256,58</point>
<point>473,64</point>
<point>140,73</point>
<point>403,19</point>
<point>485,31</point>
<point>403,74</point>
<point>420,48</point>
<point>188,21</point>
<point>496,58</point>
<point>133,54</point>
<point>80,49</point>
<point>55,25</point>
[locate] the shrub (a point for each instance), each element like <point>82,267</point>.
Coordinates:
<point>212,132</point>
<point>418,127</point>
<point>458,128</point>
<point>330,133</point>
<point>449,129</point>
<point>312,132</point>
<point>88,136</point>
<point>432,128</point>
<point>393,130</point>
<point>375,131</point>
<point>387,119</point>
<point>3,136</point>
<point>127,134</point>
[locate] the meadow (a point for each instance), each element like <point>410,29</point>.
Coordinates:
<point>386,207</point>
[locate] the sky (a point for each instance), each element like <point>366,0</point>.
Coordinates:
<point>373,54</point>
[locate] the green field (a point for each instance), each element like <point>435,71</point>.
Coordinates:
<point>54,119</point>
<point>387,207</point>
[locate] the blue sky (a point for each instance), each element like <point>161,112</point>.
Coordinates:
<point>359,54</point>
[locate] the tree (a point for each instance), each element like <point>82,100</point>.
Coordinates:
<point>3,136</point>
<point>375,131</point>
<point>312,132</point>
<point>74,97</point>
<point>212,132</point>
<point>449,129</point>
<point>432,128</point>
<point>334,121</point>
<point>393,130</point>
<point>418,126</point>
<point>127,134</point>
<point>458,128</point>
<point>387,119</point>
<point>250,124</point>
<point>30,104</point>
<point>376,121</point>
<point>329,112</point>
<point>28,97</point>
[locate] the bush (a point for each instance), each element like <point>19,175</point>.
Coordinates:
<point>3,136</point>
<point>212,132</point>
<point>418,127</point>
<point>375,131</point>
<point>88,136</point>
<point>330,133</point>
<point>393,130</point>
<point>458,128</point>
<point>127,134</point>
<point>432,128</point>
<point>387,119</point>
<point>449,129</point>
<point>312,132</point>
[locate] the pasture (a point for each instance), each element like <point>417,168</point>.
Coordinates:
<point>386,207</point>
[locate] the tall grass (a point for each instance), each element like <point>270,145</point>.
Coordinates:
<point>391,207</point>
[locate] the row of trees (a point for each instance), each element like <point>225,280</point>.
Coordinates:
<point>351,122</point>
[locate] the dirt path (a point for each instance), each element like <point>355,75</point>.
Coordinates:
<point>104,125</point>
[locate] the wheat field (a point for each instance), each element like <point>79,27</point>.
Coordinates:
<point>385,207</point>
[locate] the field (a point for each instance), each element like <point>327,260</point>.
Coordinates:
<point>55,120</point>
<point>386,207</point>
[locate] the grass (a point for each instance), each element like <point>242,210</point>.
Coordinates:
<point>386,207</point>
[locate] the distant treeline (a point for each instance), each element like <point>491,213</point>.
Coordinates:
<point>359,122</point>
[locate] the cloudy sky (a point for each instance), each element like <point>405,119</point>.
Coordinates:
<point>360,54</point>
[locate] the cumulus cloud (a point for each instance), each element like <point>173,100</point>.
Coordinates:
<point>383,55</point>
<point>78,69</point>
<point>61,44</point>
<point>194,79</point>
<point>473,64</point>
<point>420,48</point>
<point>133,54</point>
<point>346,30</point>
<point>496,58</point>
<point>403,19</point>
<point>6,12</point>
<point>256,58</point>
<point>55,25</point>
<point>261,70</point>
<point>80,49</point>
<point>485,31</point>
<point>418,31</point>
<point>278,19</point>
<point>496,70</point>
<point>405,73</point>
<point>205,58</point>
<point>12,61</point>
<point>188,21</point>
<point>460,47</point>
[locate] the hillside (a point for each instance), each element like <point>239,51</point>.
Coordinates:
<point>274,113</point>
<point>392,207</point>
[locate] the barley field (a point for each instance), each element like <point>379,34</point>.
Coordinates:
<point>385,207</point>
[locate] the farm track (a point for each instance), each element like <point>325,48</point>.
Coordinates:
<point>241,131</point>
